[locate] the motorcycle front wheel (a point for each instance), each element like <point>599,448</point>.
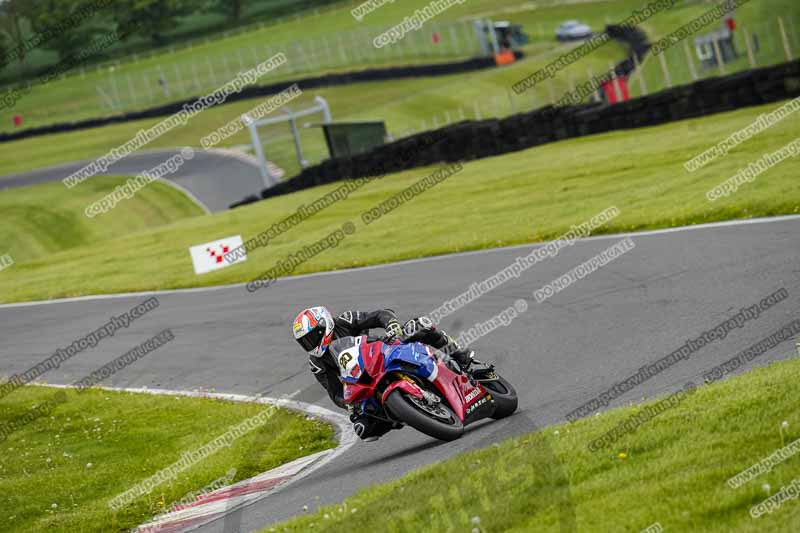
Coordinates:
<point>437,421</point>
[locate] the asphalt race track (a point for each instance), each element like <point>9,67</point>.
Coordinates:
<point>672,286</point>
<point>217,178</point>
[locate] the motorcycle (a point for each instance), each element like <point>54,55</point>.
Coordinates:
<point>422,387</point>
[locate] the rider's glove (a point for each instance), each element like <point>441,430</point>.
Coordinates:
<point>393,331</point>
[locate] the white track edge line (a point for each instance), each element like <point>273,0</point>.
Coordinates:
<point>188,193</point>
<point>609,236</point>
<point>346,436</point>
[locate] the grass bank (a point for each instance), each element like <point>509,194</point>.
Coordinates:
<point>45,219</point>
<point>524,197</point>
<point>59,472</point>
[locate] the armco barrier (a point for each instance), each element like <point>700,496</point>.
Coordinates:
<point>470,140</point>
<point>329,80</point>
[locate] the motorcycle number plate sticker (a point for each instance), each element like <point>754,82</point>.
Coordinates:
<point>348,361</point>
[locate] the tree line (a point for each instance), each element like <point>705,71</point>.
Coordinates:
<point>64,26</point>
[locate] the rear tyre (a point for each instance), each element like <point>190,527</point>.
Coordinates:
<point>505,397</point>
<point>439,422</point>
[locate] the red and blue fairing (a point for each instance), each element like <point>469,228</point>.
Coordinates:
<point>381,368</point>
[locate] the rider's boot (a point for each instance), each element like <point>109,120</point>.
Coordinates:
<point>463,358</point>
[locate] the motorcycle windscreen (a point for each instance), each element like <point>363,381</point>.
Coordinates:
<point>414,356</point>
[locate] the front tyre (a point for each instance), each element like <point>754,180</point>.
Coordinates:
<point>437,421</point>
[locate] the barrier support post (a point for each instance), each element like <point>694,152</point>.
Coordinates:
<point>690,60</point>
<point>786,48</point>
<point>749,45</point>
<point>718,55</point>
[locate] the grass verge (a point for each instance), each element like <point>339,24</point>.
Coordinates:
<point>524,197</point>
<point>547,480</point>
<point>59,472</point>
<point>47,218</point>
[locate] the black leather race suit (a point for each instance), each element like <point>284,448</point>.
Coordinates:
<point>352,324</point>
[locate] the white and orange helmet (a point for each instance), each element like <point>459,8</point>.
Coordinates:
<point>313,330</point>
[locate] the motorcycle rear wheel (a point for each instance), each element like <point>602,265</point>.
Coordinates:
<point>444,426</point>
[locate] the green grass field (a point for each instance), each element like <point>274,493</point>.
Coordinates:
<point>45,219</point>
<point>550,481</point>
<point>59,472</point>
<point>415,104</point>
<point>524,197</point>
<point>335,41</point>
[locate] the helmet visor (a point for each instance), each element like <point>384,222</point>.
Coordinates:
<point>312,339</point>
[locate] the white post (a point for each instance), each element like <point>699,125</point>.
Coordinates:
<point>493,38</point>
<point>477,109</point>
<point>750,55</point>
<point>596,94</point>
<point>639,73</point>
<point>326,110</point>
<point>266,175</point>
<point>239,57</point>
<point>689,60</point>
<point>718,55</point>
<point>786,47</point>
<point>296,136</point>
<point>665,70</point>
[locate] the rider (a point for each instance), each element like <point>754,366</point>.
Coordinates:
<point>325,337</point>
